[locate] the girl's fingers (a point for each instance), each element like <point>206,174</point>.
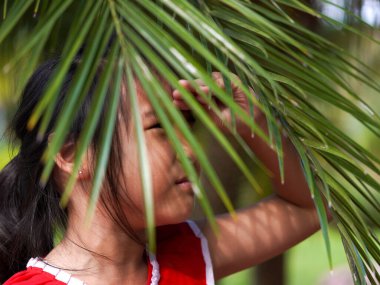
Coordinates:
<point>189,86</point>
<point>196,93</point>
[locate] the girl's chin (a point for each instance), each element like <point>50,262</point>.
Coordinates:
<point>176,218</point>
<point>178,213</point>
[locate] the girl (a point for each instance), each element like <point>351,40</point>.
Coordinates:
<point>112,249</point>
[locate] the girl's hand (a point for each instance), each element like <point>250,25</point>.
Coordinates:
<point>225,113</point>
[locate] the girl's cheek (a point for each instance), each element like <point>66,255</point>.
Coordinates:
<point>158,145</point>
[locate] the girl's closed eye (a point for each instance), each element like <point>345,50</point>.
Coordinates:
<point>188,116</point>
<point>155,126</point>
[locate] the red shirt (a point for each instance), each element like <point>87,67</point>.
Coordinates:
<point>182,257</point>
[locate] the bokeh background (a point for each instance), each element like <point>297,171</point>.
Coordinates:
<point>306,263</point>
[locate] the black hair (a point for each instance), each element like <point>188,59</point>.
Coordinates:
<point>30,212</point>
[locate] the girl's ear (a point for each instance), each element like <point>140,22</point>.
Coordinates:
<point>64,161</point>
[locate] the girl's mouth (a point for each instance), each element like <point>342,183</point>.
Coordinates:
<point>184,183</point>
<point>182,180</point>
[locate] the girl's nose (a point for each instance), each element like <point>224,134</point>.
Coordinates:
<point>190,154</point>
<point>192,157</point>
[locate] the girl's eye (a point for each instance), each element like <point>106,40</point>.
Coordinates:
<point>156,126</point>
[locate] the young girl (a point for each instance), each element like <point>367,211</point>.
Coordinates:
<point>112,250</point>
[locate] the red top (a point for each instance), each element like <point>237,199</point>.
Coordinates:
<point>182,258</point>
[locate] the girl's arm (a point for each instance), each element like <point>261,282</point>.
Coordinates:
<point>271,226</point>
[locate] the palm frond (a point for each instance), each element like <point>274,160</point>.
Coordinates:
<point>292,70</point>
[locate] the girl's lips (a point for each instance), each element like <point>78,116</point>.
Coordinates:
<point>182,180</point>
<point>184,184</point>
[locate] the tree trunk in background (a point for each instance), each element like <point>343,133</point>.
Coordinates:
<point>308,21</point>
<point>271,272</point>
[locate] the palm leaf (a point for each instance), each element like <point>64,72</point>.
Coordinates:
<point>292,70</point>
<point>144,162</point>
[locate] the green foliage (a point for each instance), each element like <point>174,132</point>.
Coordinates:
<point>290,68</point>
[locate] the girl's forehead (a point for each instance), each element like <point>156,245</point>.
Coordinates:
<point>143,99</point>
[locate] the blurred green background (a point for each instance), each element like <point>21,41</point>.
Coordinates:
<point>306,263</point>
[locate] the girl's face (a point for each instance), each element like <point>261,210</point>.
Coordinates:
<point>172,192</point>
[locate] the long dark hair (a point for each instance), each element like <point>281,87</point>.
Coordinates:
<point>29,212</point>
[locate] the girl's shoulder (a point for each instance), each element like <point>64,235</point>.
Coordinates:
<point>40,273</point>
<point>33,276</point>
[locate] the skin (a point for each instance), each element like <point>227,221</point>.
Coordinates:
<point>259,233</point>
<point>273,225</point>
